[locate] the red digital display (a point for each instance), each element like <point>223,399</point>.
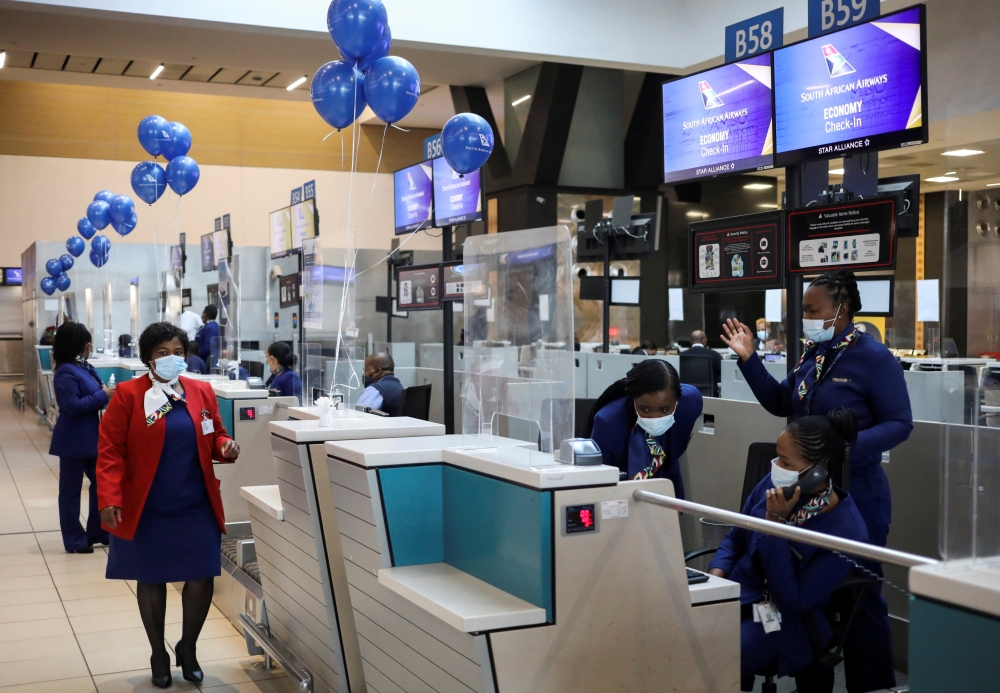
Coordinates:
<point>248,413</point>
<point>580,518</point>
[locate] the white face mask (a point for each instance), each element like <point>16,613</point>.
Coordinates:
<point>169,367</point>
<point>814,331</point>
<point>655,426</point>
<point>781,477</point>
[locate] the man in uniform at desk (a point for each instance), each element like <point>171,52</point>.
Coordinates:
<point>207,332</point>
<point>383,391</point>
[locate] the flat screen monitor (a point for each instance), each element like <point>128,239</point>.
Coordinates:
<point>220,244</point>
<point>718,121</point>
<point>303,222</point>
<point>457,199</point>
<point>736,254</point>
<point>625,291</point>
<point>876,296</point>
<point>857,89</point>
<point>208,252</point>
<point>280,222</point>
<point>419,288</point>
<point>12,276</point>
<point>414,198</point>
<point>853,235</point>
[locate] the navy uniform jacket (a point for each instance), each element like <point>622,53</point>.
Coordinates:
<point>80,397</point>
<point>799,587</point>
<point>868,380</point>
<point>204,338</point>
<point>626,448</point>
<point>196,365</point>
<point>287,382</point>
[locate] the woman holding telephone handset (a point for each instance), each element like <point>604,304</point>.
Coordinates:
<point>843,366</point>
<point>784,584</point>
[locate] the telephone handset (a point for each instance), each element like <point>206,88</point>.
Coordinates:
<point>812,481</point>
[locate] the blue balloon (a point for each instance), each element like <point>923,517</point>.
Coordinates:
<point>122,207</point>
<point>97,259</point>
<point>154,132</point>
<point>381,50</point>
<point>101,244</point>
<point>105,195</point>
<point>356,26</point>
<point>99,214</point>
<point>180,142</point>
<point>392,87</point>
<point>66,260</point>
<point>467,142</point>
<point>126,227</point>
<point>85,228</point>
<point>48,285</point>
<point>149,181</point>
<point>338,94</point>
<point>54,267</point>
<point>76,245</point>
<point>183,174</point>
<point>62,281</point>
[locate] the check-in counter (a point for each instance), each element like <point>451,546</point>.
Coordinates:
<point>312,413</point>
<point>306,599</point>
<point>123,369</point>
<point>478,565</point>
<point>936,395</point>
<point>734,386</point>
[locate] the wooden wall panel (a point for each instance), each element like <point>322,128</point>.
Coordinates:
<point>72,121</point>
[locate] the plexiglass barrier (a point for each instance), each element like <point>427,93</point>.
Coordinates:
<point>225,358</point>
<point>518,363</point>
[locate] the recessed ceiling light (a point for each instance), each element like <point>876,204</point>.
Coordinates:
<point>3,58</point>
<point>941,179</point>
<point>156,72</point>
<point>963,152</point>
<point>520,100</point>
<point>836,171</point>
<point>757,186</point>
<point>768,205</point>
<point>950,173</point>
<point>992,185</point>
<point>697,215</point>
<point>296,83</point>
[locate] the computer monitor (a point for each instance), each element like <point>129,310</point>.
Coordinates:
<point>414,198</point>
<point>457,199</point>
<point>12,276</point>
<point>876,296</point>
<point>280,222</point>
<point>208,252</point>
<point>625,291</point>
<point>303,222</point>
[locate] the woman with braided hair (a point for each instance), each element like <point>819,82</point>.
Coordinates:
<point>785,577</point>
<point>643,422</point>
<point>842,366</point>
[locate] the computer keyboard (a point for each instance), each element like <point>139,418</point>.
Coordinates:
<point>696,576</point>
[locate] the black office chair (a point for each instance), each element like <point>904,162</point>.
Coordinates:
<point>416,402</point>
<point>844,601</point>
<point>254,368</point>
<point>583,409</point>
<point>696,369</point>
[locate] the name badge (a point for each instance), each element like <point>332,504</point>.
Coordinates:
<point>841,380</point>
<point>207,426</point>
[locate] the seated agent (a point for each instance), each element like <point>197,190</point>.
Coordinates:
<point>383,391</point>
<point>194,362</point>
<point>280,360</point>
<point>643,422</point>
<point>699,340</point>
<point>799,578</point>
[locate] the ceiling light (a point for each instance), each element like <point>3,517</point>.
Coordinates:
<point>963,152</point>
<point>992,185</point>
<point>768,205</point>
<point>3,58</point>
<point>757,186</point>
<point>697,215</point>
<point>950,173</point>
<point>941,179</point>
<point>296,83</point>
<point>836,171</point>
<point>156,72</point>
<point>521,100</point>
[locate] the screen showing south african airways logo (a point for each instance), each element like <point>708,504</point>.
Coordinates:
<point>853,90</point>
<point>718,121</point>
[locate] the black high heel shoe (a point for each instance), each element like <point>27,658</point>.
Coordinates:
<point>189,667</point>
<point>159,678</point>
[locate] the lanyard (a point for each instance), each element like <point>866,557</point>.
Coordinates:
<point>823,374</point>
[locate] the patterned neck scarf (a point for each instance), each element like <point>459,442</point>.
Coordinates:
<point>812,508</point>
<point>813,378</point>
<point>157,400</point>
<point>656,450</point>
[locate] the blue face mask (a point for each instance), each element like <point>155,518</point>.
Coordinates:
<point>656,426</point>
<point>814,331</point>
<point>169,367</point>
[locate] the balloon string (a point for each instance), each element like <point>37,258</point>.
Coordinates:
<point>398,248</point>
<point>327,135</point>
<point>381,149</point>
<point>341,150</point>
<point>398,128</point>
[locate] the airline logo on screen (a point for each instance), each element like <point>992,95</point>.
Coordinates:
<point>835,62</point>
<point>708,96</point>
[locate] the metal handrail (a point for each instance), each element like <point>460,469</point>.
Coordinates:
<point>302,677</point>
<point>804,536</point>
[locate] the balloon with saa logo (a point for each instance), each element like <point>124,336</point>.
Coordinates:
<point>183,174</point>
<point>466,142</point>
<point>122,207</point>
<point>392,87</point>
<point>98,259</point>
<point>180,142</point>
<point>149,181</point>
<point>66,260</point>
<point>62,281</point>
<point>356,26</point>
<point>154,132</point>
<point>85,228</point>
<point>75,246</point>
<point>126,227</point>
<point>338,93</point>
<point>99,214</point>
<point>53,267</point>
<point>105,195</point>
<point>48,285</point>
<point>101,244</point>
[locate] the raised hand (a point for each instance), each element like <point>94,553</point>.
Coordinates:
<point>739,338</point>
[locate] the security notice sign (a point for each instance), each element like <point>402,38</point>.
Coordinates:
<point>855,235</point>
<point>736,254</point>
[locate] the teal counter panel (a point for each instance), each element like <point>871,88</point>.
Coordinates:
<point>413,497</point>
<point>951,649</point>
<point>226,413</point>
<point>121,374</point>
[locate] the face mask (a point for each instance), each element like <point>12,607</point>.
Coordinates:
<point>369,380</point>
<point>781,477</point>
<point>762,334</point>
<point>813,329</point>
<point>656,426</point>
<point>226,364</point>
<point>169,367</point>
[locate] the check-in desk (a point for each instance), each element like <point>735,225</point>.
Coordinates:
<point>733,385</point>
<point>478,567</point>
<point>123,369</point>
<point>306,599</point>
<point>312,413</point>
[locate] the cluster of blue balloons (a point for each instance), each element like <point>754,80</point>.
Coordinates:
<point>172,141</point>
<point>57,279</point>
<point>367,75</point>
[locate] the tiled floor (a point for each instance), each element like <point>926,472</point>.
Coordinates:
<point>64,628</point>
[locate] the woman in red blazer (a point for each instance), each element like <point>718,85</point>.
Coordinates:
<point>158,494</point>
